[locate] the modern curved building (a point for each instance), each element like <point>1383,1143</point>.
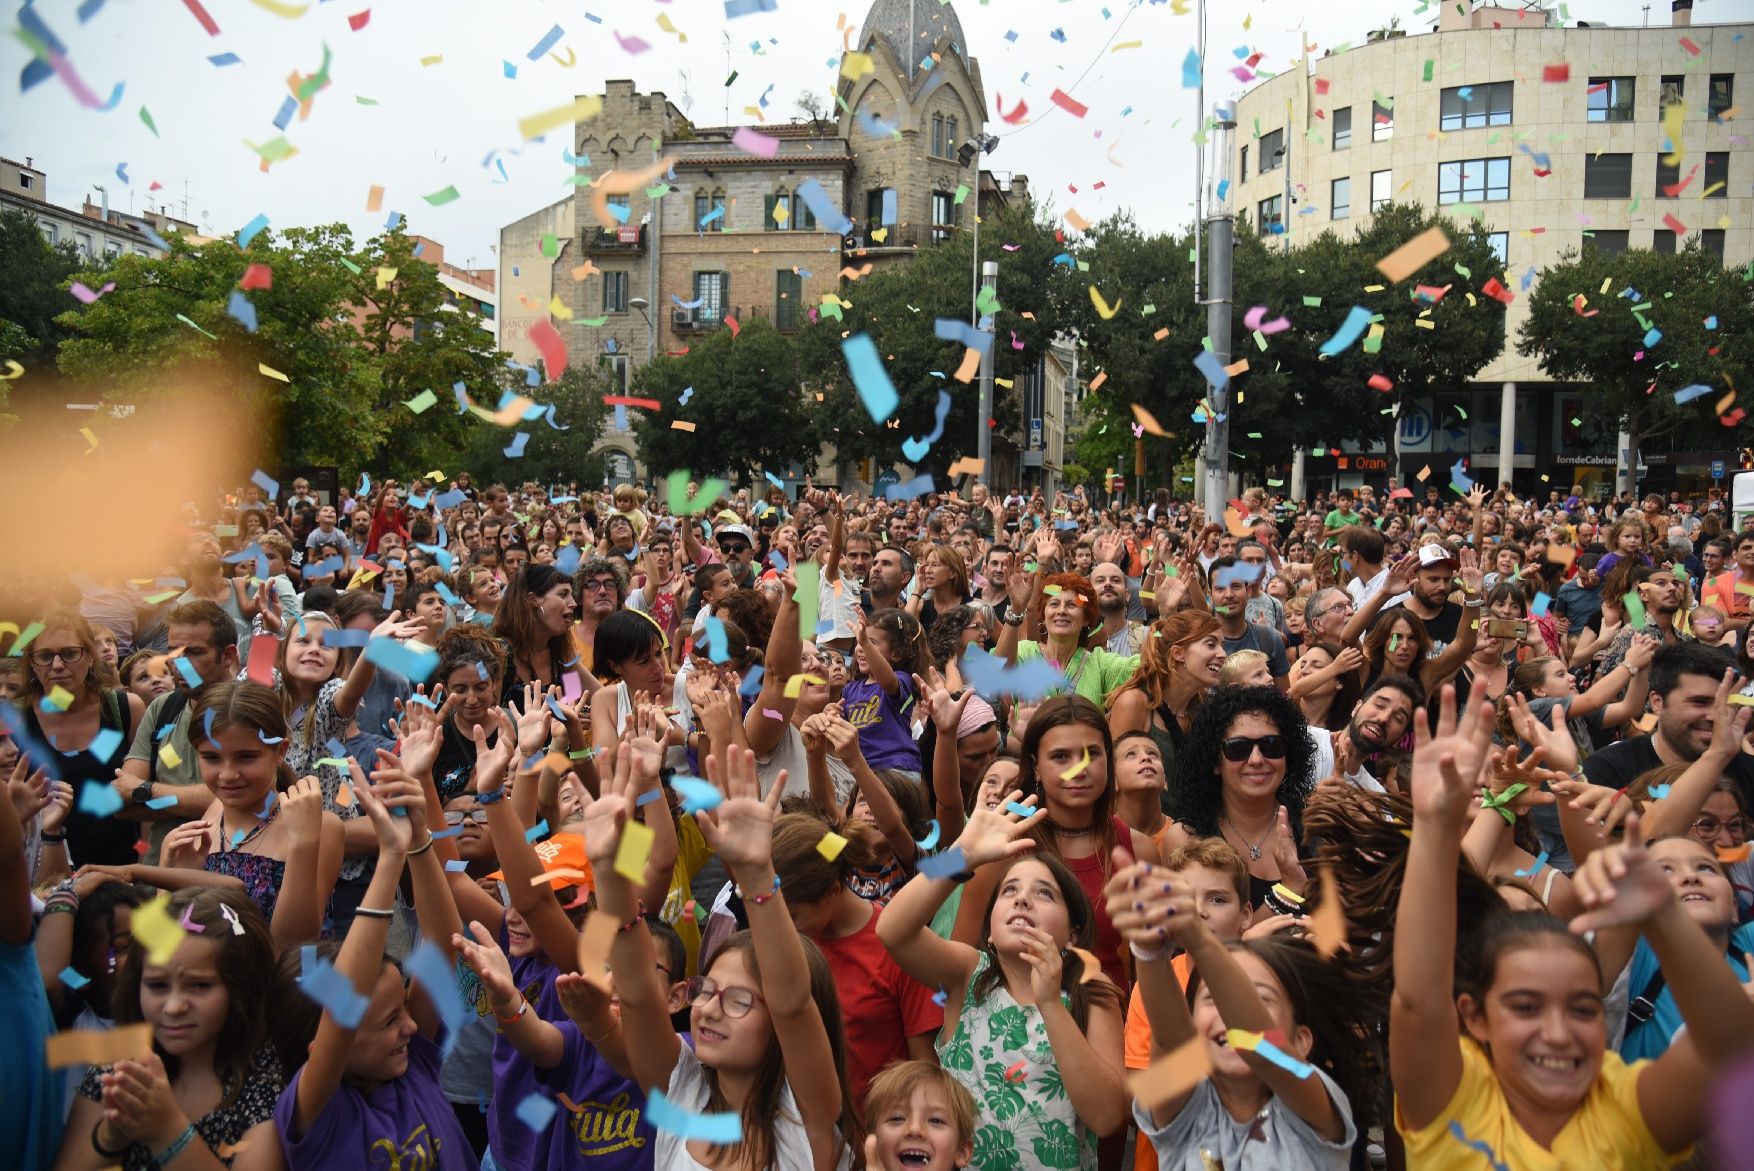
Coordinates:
<point>1553,137</point>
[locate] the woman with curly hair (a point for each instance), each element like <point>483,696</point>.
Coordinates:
<point>956,629</point>
<point>1245,775</point>
<point>1178,666</point>
<point>1061,609</point>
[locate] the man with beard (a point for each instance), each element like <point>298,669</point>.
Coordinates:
<point>1119,635</point>
<point>1660,591</point>
<point>994,592</point>
<point>891,570</point>
<point>1429,597</point>
<point>1230,593</point>
<point>1379,723</point>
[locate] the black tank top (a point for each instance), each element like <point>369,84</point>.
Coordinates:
<point>93,840</point>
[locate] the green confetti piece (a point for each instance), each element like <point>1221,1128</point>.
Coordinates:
<point>1429,66</point>
<point>676,493</point>
<point>961,193</point>
<point>440,198</point>
<point>1492,139</point>
<point>730,79</point>
<point>1147,310</point>
<point>593,322</point>
<point>191,324</point>
<point>1576,422</point>
<point>658,192</point>
<point>1260,340</point>
<point>365,101</point>
<point>421,401</point>
<point>1634,610</point>
<point>577,179</point>
<point>1372,344</point>
<point>809,599</point>
<point>987,301</point>
<point>550,246</point>
<point>146,117</point>
<point>1254,435</point>
<point>274,150</point>
<point>1257,127</point>
<point>1461,412</point>
<point>1312,302</point>
<point>337,761</point>
<point>1465,272</point>
<point>351,267</point>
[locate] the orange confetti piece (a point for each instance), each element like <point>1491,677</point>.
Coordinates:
<point>1173,1074</point>
<point>1148,421</point>
<point>1101,377</point>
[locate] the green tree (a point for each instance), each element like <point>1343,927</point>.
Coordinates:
<point>550,455</point>
<point>747,406</point>
<point>34,276</point>
<point>898,308</point>
<point>351,352</point>
<point>1582,334</point>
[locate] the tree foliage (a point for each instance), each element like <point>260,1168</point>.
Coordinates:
<point>33,289</point>
<point>898,308</point>
<point>351,351</point>
<point>747,405</point>
<point>550,455</point>
<point>1581,333</point>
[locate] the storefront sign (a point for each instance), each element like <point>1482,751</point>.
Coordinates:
<point>1593,461</point>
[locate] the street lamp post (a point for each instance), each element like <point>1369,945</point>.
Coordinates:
<point>642,305</point>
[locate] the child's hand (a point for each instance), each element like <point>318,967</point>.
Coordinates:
<point>483,954</point>
<point>699,686</point>
<point>187,846</point>
<point>419,735</point>
<point>532,731</point>
<point>1042,955</point>
<point>395,834</point>
<point>1621,885</point>
<point>581,1000</point>
<point>1447,759</point>
<point>1142,898</point>
<point>491,763</point>
<point>603,817</point>
<point>741,828</point>
<point>993,835</point>
<point>302,809</point>
<point>814,732</point>
<point>843,741</point>
<point>946,710</point>
<point>399,789</point>
<point>395,627</point>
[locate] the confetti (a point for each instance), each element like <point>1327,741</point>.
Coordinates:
<point>1404,261</point>
<point>875,389</point>
<point>1356,319</point>
<point>1173,1074</point>
<point>99,1046</point>
<point>673,1119</point>
<point>635,849</point>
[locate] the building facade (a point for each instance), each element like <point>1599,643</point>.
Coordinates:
<point>1464,120</point>
<point>722,235</point>
<point>95,229</point>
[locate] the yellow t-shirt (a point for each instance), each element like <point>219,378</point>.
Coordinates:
<point>692,853</point>
<point>1608,1133</point>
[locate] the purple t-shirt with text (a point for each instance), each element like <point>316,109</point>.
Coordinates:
<point>515,1145</point>
<point>404,1123</point>
<point>608,1130</point>
<point>885,732</point>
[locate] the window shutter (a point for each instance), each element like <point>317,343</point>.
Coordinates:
<point>768,203</point>
<point>724,295</point>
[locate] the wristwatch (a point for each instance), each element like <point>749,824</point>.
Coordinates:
<point>142,793</point>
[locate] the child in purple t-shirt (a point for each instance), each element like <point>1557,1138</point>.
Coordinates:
<point>575,1062</point>
<point>890,651</point>
<point>369,1092</point>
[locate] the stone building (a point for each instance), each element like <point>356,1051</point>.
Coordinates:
<point>724,234</point>
<point>1464,119</point>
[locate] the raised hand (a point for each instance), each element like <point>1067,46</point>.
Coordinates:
<point>491,763</point>
<point>400,789</point>
<point>993,835</point>
<point>532,725</point>
<point>482,953</point>
<point>1558,749</point>
<point>419,734</point>
<point>395,834</point>
<point>945,710</point>
<point>843,741</point>
<point>301,807</point>
<point>1447,760</point>
<point>1284,848</point>
<point>28,792</point>
<point>1145,902</point>
<point>1620,885</point>
<point>59,806</point>
<point>602,818</point>
<point>395,627</point>
<point>187,846</point>
<point>1042,955</point>
<point>740,829</point>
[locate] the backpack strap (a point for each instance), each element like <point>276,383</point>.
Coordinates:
<point>168,715</point>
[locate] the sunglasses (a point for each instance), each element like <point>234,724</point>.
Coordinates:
<point>1240,748</point>
<point>730,550</point>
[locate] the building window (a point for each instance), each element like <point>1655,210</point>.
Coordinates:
<point>618,367</point>
<point>1609,99</point>
<point>773,219</point>
<point>1242,170</point>
<point>1607,176</point>
<point>705,203</point>
<point>713,291</point>
<point>1343,128</point>
<point>1499,242</point>
<point>1611,243</point>
<point>787,296</point>
<point>1340,198</point>
<point>51,232</point>
<point>1668,178</point>
<point>1380,184</point>
<point>1712,241</point>
<point>943,215</point>
<point>615,292</point>
<point>1473,181</point>
<point>1467,107</point>
<point>874,199</point>
<point>1382,121</point>
<point>83,239</point>
<point>1721,96</point>
<point>938,135</point>
<point>619,208</point>
<point>112,248</point>
<point>1717,175</point>
<point>803,219</point>
<point>950,142</point>
<point>23,181</point>
<point>1663,240</point>
<point>1674,89</point>
<point>1270,213</point>
<point>1272,151</point>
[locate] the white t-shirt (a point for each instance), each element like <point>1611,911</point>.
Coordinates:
<point>1323,744</point>
<point>1276,1139</point>
<point>689,1090</point>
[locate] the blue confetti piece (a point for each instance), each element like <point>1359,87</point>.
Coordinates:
<point>737,8</point>
<point>1356,319</point>
<point>221,60</point>
<point>717,213</point>
<point>122,174</point>
<point>687,393</point>
<point>648,797</point>
<point>716,648</point>
<point>779,561</point>
<point>954,329</point>
<point>940,997</point>
<point>567,558</point>
<point>915,449</point>
<point>919,486</point>
<point>99,799</point>
<point>1540,862</point>
<point>1659,792</point>
<point>1485,1149</point>
<point>452,832</point>
<point>673,1119</point>
<point>1652,336</point>
<point>620,413</point>
<point>319,980</point>
<point>1284,1060</point>
<point>1223,189</point>
<point>536,1111</point>
<point>439,975</point>
<point>456,866</point>
<point>73,979</point>
<point>889,213</point>
<point>1711,322</point>
<point>697,794</point>
<point>946,865</point>
<point>241,310</point>
<point>1011,35</point>
<point>930,841</point>
<point>1207,363</point>
<point>1688,394</point>
<point>1243,571</point>
<point>411,662</point>
<point>751,685</point>
<point>874,126</point>
<point>166,802</point>
<point>827,212</point>
<point>251,230</point>
<point>1019,809</point>
<point>283,117</point>
<point>516,450</point>
<point>992,679</point>
<point>1059,35</point>
<point>1191,70</point>
<point>104,743</point>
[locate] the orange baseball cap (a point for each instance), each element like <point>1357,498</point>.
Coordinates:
<point>563,859</point>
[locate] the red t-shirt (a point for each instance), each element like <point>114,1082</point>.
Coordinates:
<point>881,1006</point>
<point>1109,944</point>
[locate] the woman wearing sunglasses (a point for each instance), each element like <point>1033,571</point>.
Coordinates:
<point>1244,776</point>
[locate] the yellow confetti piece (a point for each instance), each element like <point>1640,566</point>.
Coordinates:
<point>831,845</point>
<point>1102,307</point>
<point>99,1046</point>
<point>167,755</point>
<point>157,930</point>
<point>13,370</point>
<point>385,276</point>
<point>558,308</point>
<point>272,372</point>
<point>1127,45</point>
<point>664,23</point>
<point>1673,113</point>
<point>635,849</point>
<point>90,437</point>
<point>795,685</point>
<point>289,11</point>
<point>1746,700</point>
<point>572,58</point>
<point>580,109</point>
<point>855,65</point>
<point>435,59</point>
<point>59,698</point>
<point>1077,770</point>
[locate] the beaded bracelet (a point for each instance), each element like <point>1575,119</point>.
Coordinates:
<point>491,798</point>
<point>757,900</point>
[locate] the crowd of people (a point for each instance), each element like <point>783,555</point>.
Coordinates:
<point>450,826</point>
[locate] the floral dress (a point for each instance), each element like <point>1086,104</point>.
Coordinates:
<point>323,741</point>
<point>1000,1053</point>
<point>226,1125</point>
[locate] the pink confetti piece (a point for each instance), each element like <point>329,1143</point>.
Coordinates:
<point>1254,319</point>
<point>190,924</point>
<point>748,140</point>
<point>771,714</point>
<point>84,294</point>
<point>633,46</point>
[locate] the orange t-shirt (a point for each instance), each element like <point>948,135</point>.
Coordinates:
<point>1137,1052</point>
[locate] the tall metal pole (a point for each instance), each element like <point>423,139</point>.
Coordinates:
<point>984,437</point>
<point>1219,229</point>
<point>974,294</point>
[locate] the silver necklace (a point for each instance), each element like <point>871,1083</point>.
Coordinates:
<point>1254,850</point>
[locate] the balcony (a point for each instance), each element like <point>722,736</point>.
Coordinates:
<point>625,241</point>
<point>898,239</point>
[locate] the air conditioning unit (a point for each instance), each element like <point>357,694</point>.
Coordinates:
<point>681,319</point>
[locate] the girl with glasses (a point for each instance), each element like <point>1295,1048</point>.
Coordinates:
<point>768,1046</point>
<point>90,725</point>
<point>1245,775</point>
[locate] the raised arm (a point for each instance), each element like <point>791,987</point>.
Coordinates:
<point>844,740</point>
<point>313,862</point>
<point>882,671</point>
<point>946,768</point>
<point>1687,796</point>
<point>785,654</point>
<point>1400,577</point>
<point>529,1034</point>
<point>1425,1054</point>
<point>1629,675</point>
<point>364,670</point>
<point>1141,902</point>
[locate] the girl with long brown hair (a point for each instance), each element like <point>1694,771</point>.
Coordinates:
<point>1178,665</point>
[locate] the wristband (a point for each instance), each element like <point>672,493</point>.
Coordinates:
<point>98,1146</point>
<point>374,913</point>
<point>49,839</point>
<point>177,1147</point>
<point>1144,956</point>
<point>757,900</point>
<point>493,797</point>
<point>523,1007</point>
<point>424,847</point>
<point>1499,801</point>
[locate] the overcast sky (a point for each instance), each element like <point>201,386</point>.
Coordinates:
<point>435,124</point>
